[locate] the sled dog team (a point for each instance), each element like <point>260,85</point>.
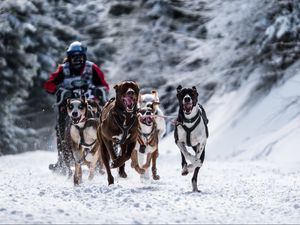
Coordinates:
<point>130,126</point>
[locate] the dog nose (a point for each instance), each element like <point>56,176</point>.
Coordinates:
<point>148,113</point>
<point>187,99</point>
<point>75,114</point>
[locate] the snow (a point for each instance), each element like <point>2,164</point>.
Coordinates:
<point>232,192</point>
<point>266,129</point>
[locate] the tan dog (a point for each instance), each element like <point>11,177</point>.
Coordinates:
<point>81,136</point>
<point>147,144</point>
<point>119,125</point>
<point>152,100</point>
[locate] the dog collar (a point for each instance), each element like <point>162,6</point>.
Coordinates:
<point>192,119</point>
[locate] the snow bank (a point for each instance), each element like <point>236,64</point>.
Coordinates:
<point>232,192</point>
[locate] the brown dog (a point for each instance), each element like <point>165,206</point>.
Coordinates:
<point>147,144</point>
<point>119,125</point>
<point>81,136</point>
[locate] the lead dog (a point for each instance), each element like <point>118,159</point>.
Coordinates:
<point>81,136</point>
<point>191,131</point>
<point>119,125</point>
<point>147,144</point>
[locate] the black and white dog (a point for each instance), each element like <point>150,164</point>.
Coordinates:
<point>191,131</point>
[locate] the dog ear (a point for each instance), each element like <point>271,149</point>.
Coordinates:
<point>155,94</point>
<point>136,88</point>
<point>139,100</point>
<point>116,87</point>
<point>195,90</point>
<point>179,88</point>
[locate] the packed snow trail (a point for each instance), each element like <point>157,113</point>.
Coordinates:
<point>232,192</point>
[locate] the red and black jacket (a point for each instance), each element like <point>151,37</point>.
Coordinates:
<point>89,70</point>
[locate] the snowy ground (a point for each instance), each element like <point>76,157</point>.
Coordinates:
<point>232,192</point>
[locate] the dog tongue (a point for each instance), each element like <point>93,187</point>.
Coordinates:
<point>128,102</point>
<point>149,120</point>
<point>146,120</point>
<point>188,107</point>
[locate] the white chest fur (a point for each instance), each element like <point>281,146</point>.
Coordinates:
<point>197,135</point>
<point>89,134</point>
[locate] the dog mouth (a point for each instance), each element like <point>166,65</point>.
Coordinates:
<point>188,107</point>
<point>147,120</point>
<point>129,104</point>
<point>76,120</point>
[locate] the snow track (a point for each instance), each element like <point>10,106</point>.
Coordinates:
<point>232,192</point>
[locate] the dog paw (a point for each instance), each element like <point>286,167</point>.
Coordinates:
<point>184,171</point>
<point>196,190</point>
<point>76,182</point>
<point>110,180</point>
<point>156,177</point>
<point>141,171</point>
<point>123,174</point>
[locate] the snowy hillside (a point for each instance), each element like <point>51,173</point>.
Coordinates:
<point>232,193</point>
<point>267,129</point>
<point>219,46</point>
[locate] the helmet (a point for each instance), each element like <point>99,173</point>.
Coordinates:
<point>76,48</point>
<point>76,53</point>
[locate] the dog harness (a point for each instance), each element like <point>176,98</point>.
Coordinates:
<point>86,147</point>
<point>124,128</point>
<point>148,139</point>
<point>188,130</point>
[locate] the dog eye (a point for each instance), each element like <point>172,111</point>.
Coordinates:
<point>70,107</point>
<point>80,106</point>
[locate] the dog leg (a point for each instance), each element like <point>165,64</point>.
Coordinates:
<point>99,162</point>
<point>93,165</point>
<point>101,165</point>
<point>122,172</point>
<point>184,155</point>
<point>154,169</point>
<point>148,161</point>
<point>194,180</point>
<point>126,154</point>
<point>184,151</point>
<point>184,170</point>
<point>77,174</point>
<point>195,176</point>
<point>106,158</point>
<point>134,162</point>
<point>197,160</point>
